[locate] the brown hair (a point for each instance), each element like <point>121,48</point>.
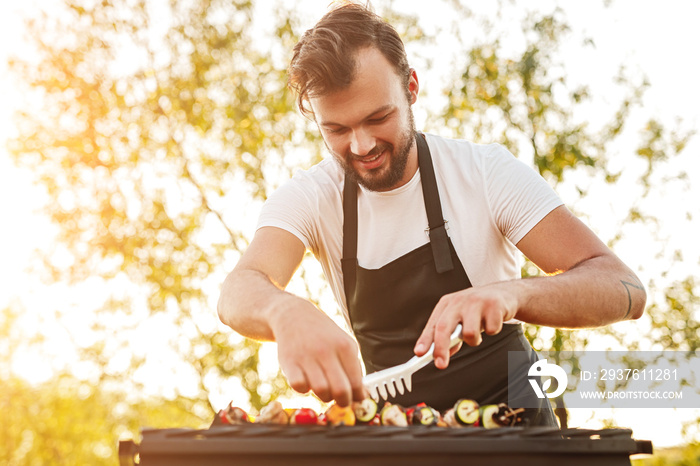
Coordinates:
<point>324,57</point>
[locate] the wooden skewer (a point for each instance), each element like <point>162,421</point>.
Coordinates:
<point>513,412</point>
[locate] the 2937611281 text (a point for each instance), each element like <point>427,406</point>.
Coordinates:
<point>609,379</point>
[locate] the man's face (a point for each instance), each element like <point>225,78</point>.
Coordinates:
<point>368,127</point>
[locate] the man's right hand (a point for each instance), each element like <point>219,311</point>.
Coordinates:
<point>317,355</point>
<point>314,353</point>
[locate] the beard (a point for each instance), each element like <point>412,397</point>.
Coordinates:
<point>386,177</point>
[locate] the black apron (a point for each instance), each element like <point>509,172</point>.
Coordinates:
<point>390,306</point>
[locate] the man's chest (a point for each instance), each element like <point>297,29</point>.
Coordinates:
<point>390,226</point>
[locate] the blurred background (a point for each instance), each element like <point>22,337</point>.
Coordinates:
<point>138,140</point>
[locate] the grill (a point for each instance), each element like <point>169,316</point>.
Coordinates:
<point>268,445</point>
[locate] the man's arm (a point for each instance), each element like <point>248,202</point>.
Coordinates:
<point>588,287</point>
<point>314,353</point>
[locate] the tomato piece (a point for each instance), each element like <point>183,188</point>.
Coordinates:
<point>304,416</point>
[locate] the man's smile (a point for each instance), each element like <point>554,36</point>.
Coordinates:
<point>371,162</point>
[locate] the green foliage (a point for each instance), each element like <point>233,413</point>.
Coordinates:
<point>523,99</point>
<point>688,455</point>
<point>69,421</point>
<point>155,116</point>
<point>162,125</point>
<point>675,323</point>
<point>526,103</point>
<point>658,145</point>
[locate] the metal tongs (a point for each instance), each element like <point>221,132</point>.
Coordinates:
<point>388,381</point>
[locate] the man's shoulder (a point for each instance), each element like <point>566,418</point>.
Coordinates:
<point>325,175</point>
<point>461,148</point>
<point>302,203</point>
<point>463,153</point>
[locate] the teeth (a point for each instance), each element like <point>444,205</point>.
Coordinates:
<point>371,159</point>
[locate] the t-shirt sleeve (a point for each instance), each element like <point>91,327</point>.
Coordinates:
<point>519,197</point>
<point>288,208</point>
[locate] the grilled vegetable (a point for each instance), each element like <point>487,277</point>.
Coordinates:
<point>441,421</point>
<point>449,418</point>
<point>466,412</point>
<point>393,415</point>
<point>304,416</point>
<point>487,414</point>
<point>231,415</point>
<point>365,410</point>
<point>493,416</point>
<point>273,413</point>
<point>337,415</point>
<point>424,415</point>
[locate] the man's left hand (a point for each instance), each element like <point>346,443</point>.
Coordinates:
<point>481,309</point>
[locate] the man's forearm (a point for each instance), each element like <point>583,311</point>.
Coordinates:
<point>597,292</point>
<point>248,303</point>
<point>327,363</point>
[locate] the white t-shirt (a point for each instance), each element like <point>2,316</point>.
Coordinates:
<point>489,198</point>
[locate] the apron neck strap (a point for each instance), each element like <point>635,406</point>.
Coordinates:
<point>437,226</point>
<point>349,259</point>
<point>431,197</point>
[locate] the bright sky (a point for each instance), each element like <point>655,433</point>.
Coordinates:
<point>658,38</point>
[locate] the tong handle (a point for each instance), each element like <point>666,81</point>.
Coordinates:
<point>418,362</point>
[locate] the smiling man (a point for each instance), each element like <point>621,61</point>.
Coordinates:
<point>416,234</point>
<point>368,126</point>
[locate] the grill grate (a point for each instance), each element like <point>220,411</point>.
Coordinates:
<point>381,445</point>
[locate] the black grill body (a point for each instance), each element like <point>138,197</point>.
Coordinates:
<point>274,445</point>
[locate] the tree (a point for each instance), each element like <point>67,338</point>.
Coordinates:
<point>70,421</point>
<point>155,116</point>
<point>523,100</point>
<point>163,125</point>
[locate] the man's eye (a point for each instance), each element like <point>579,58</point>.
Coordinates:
<point>335,130</point>
<point>378,120</point>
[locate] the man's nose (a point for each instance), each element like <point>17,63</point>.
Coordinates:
<point>362,142</point>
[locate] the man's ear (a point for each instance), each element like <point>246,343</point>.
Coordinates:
<point>413,87</point>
